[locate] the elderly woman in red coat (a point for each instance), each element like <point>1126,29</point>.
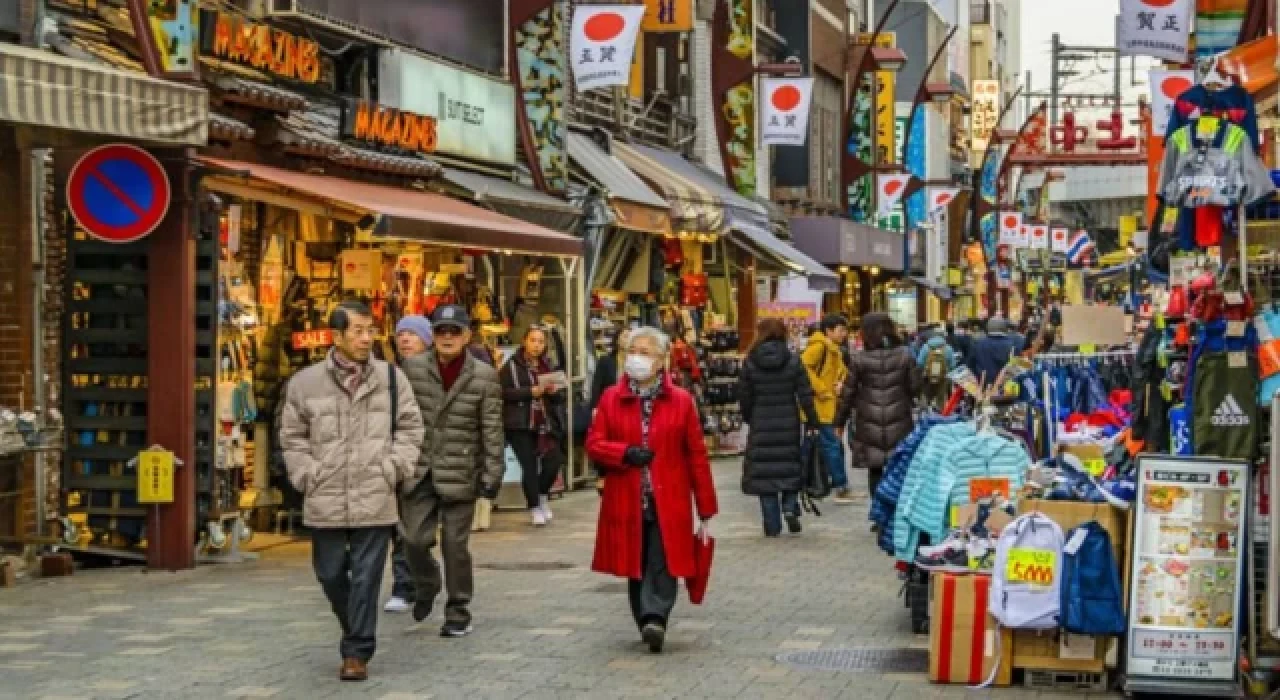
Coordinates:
<point>647,440</point>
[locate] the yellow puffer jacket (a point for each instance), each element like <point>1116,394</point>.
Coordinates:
<point>825,362</point>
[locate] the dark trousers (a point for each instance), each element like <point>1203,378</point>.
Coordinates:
<point>774,505</point>
<point>349,565</point>
<point>654,595</point>
<point>873,479</point>
<point>401,577</point>
<point>538,474</point>
<point>421,512</point>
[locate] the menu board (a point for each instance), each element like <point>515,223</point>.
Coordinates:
<point>1186,572</point>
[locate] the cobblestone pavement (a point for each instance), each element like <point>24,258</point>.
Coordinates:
<point>262,629</point>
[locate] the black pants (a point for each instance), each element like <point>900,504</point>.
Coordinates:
<point>654,595</point>
<point>401,577</point>
<point>349,565</point>
<point>538,474</point>
<point>873,479</point>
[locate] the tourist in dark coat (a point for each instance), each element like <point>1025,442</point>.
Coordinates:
<point>882,381</point>
<point>777,402</point>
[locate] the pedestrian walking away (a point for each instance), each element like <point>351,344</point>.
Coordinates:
<point>461,403</point>
<point>413,337</point>
<point>825,363</point>
<point>777,403</point>
<point>647,439</point>
<point>879,391</point>
<point>936,359</point>
<point>351,434</point>
<point>534,419</point>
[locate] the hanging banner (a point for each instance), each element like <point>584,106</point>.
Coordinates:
<point>668,16</point>
<point>887,143</point>
<point>1039,236</point>
<point>1159,28</point>
<point>1010,224</point>
<point>940,197</point>
<point>1024,236</point>
<point>890,189</point>
<point>1166,86</point>
<point>1058,240</point>
<point>602,43</point>
<point>784,111</point>
<point>1080,248</point>
<point>982,118</point>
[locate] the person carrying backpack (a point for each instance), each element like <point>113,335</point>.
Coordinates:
<point>936,360</point>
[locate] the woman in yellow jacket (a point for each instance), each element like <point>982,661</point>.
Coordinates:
<point>824,360</point>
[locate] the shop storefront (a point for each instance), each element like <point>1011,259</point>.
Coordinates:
<point>869,262</point>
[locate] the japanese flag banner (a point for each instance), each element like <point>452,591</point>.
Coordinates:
<point>1010,223</point>
<point>1039,236</point>
<point>1159,28</point>
<point>603,43</point>
<point>890,189</point>
<point>1166,86</point>
<point>940,197</point>
<point>1058,240</point>
<point>784,111</point>
<point>1024,235</point>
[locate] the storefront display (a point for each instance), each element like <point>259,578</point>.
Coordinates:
<point>1187,571</point>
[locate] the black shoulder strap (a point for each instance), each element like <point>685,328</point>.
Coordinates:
<point>395,396</point>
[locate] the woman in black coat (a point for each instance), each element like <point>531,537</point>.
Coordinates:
<point>882,382</point>
<point>534,420</point>
<point>773,389</point>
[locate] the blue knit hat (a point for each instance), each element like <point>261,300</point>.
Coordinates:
<point>418,325</point>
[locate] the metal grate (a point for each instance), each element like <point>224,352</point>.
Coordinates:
<point>879,660</point>
<point>527,565</point>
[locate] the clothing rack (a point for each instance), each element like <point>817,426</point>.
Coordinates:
<point>1051,425</point>
<point>1101,354</point>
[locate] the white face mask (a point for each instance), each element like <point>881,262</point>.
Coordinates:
<point>639,367</point>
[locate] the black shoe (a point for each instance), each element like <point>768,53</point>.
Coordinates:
<point>793,524</point>
<point>455,629</point>
<point>654,634</point>
<point>421,610</point>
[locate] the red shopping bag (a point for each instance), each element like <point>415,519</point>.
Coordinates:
<point>704,548</point>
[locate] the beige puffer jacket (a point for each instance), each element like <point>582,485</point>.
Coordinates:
<point>338,447</point>
<point>462,450</point>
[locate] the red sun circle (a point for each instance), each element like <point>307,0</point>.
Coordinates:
<point>1158,3</point>
<point>1038,231</point>
<point>942,199</point>
<point>1174,86</point>
<point>892,186</point>
<point>604,26</point>
<point>786,98</point>
<point>1010,221</point>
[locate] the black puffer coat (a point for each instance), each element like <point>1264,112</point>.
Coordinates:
<point>878,390</point>
<point>773,389</point>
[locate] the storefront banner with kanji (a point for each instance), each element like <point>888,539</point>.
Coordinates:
<point>784,111</point>
<point>1159,28</point>
<point>602,43</point>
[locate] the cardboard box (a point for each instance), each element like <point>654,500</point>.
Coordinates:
<point>965,644</point>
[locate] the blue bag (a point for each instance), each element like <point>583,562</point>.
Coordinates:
<point>1091,598</point>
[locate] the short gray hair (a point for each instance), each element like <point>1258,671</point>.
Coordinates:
<point>658,337</point>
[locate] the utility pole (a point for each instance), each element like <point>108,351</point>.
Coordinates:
<point>1119,69</point>
<point>1053,80</point>
<point>1027,96</point>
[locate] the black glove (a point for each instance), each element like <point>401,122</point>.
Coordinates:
<point>638,456</point>
<point>491,492</point>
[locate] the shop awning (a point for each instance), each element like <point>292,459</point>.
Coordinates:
<point>692,207</point>
<point>44,89</point>
<point>820,278</point>
<point>838,241</point>
<point>941,291</point>
<point>516,200</point>
<point>411,214</point>
<point>634,204</point>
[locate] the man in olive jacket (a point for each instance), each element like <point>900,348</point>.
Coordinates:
<point>462,460</point>
<point>350,433</point>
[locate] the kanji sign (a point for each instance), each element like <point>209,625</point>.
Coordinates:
<point>982,118</point>
<point>1010,224</point>
<point>118,193</point>
<point>1159,28</point>
<point>1166,86</point>
<point>885,85</point>
<point>1040,236</point>
<point>155,476</point>
<point>784,110</point>
<point>602,43</point>
<point>668,16</point>
<point>1059,240</point>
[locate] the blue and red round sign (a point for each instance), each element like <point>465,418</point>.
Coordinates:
<point>118,193</point>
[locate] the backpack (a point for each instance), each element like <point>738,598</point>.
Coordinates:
<point>935,365</point>
<point>1091,598</point>
<point>1026,580</point>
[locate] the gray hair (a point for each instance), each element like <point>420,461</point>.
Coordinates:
<point>658,337</point>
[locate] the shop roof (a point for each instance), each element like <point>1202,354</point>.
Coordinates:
<point>516,200</point>
<point>611,172</point>
<point>411,214</point>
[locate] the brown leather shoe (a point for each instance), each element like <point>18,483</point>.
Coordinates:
<point>354,670</point>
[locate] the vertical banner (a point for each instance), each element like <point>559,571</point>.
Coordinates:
<point>668,16</point>
<point>784,111</point>
<point>543,84</point>
<point>1166,86</point>
<point>1010,225</point>
<point>889,191</point>
<point>601,44</point>
<point>940,197</point>
<point>1039,236</point>
<point>1058,240</point>
<point>982,118</point>
<point>1024,235</point>
<point>885,116</point>
<point>1159,28</point>
<point>861,145</point>
<point>916,163</point>
<point>739,107</point>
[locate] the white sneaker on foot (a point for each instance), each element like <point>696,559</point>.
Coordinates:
<point>545,507</point>
<point>539,519</point>
<point>396,605</point>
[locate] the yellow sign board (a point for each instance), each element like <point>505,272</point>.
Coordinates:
<point>885,118</point>
<point>155,476</point>
<point>668,16</point>
<point>1034,566</point>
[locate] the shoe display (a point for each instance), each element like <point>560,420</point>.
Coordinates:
<point>949,560</point>
<point>397,605</point>
<point>455,629</point>
<point>654,634</point>
<point>354,670</point>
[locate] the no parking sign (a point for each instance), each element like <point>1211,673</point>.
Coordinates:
<point>118,193</point>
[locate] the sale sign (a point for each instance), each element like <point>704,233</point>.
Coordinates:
<point>1035,567</point>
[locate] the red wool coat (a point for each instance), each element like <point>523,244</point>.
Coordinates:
<point>680,473</point>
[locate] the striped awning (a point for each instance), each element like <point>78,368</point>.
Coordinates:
<point>693,207</point>
<point>40,88</point>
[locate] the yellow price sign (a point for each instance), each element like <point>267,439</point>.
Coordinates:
<point>155,476</point>
<point>1032,566</point>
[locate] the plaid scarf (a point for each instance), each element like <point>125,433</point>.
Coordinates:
<point>349,374</point>
<point>648,396</point>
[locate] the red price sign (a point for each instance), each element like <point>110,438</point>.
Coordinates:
<point>310,340</point>
<point>986,487</point>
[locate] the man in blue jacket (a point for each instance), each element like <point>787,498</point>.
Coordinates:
<point>993,351</point>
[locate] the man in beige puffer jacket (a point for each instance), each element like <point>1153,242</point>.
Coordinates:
<point>346,457</point>
<point>462,460</point>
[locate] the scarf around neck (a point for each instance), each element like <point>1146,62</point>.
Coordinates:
<point>349,373</point>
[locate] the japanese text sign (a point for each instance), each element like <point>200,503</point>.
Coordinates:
<point>984,114</point>
<point>602,44</point>
<point>784,111</point>
<point>155,476</point>
<point>1159,28</point>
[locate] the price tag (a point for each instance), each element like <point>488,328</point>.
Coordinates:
<point>1235,329</point>
<point>1088,349</point>
<point>1031,566</point>
<point>985,487</point>
<point>1077,538</point>
<point>1237,360</point>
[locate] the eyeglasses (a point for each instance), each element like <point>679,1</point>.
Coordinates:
<point>448,331</point>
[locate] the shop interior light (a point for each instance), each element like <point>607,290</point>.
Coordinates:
<point>844,269</point>
<point>875,270</point>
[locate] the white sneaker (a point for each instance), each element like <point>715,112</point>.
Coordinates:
<point>545,507</point>
<point>539,519</point>
<point>396,605</point>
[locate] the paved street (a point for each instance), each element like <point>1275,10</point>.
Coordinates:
<point>263,629</point>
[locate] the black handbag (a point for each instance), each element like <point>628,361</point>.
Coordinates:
<point>817,478</point>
